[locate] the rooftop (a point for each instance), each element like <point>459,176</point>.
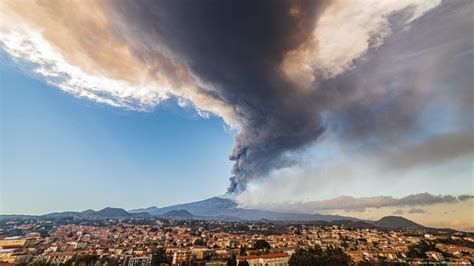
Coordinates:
<point>264,256</point>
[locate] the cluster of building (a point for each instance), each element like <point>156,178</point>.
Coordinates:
<point>212,243</point>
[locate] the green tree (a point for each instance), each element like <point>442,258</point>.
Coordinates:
<point>316,256</point>
<point>261,244</point>
<point>243,250</point>
<point>159,256</point>
<point>231,261</point>
<point>344,244</point>
<point>199,242</point>
<point>418,250</point>
<point>243,263</point>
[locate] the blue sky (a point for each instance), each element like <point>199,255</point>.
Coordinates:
<point>370,101</point>
<point>64,153</point>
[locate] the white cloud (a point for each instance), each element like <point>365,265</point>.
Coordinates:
<point>343,33</point>
<point>88,58</point>
<point>29,46</point>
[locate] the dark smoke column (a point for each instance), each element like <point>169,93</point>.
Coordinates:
<point>238,48</point>
<point>268,141</point>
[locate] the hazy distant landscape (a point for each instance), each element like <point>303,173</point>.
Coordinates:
<point>219,209</point>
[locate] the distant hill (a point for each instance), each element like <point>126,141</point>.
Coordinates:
<point>227,209</point>
<point>207,207</point>
<point>397,222</point>
<point>141,215</point>
<point>355,224</point>
<point>107,213</point>
<point>62,214</point>
<point>87,212</point>
<point>180,214</point>
<point>112,213</point>
<point>388,222</point>
<point>224,209</point>
<point>150,210</point>
<point>16,216</point>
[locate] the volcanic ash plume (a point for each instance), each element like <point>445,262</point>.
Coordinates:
<point>271,70</point>
<point>234,50</point>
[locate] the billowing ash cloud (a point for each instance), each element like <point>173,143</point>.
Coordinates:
<point>247,54</point>
<point>349,203</point>
<point>281,73</point>
<point>236,48</point>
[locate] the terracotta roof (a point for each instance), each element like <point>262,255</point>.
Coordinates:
<point>264,256</point>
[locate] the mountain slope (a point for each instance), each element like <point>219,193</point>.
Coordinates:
<point>150,210</point>
<point>179,214</point>
<point>221,207</point>
<point>87,212</point>
<point>207,207</point>
<point>227,210</point>
<point>397,222</point>
<point>112,213</point>
<point>62,214</point>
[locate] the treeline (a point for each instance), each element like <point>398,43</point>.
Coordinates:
<point>317,256</point>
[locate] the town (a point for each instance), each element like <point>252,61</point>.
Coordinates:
<point>147,241</point>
